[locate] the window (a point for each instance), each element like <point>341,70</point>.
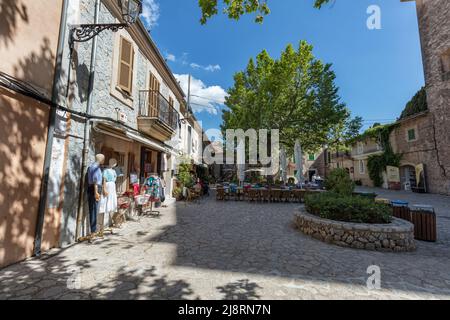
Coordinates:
<point>312,157</point>
<point>189,140</point>
<point>411,134</point>
<point>154,87</point>
<point>126,65</point>
<point>360,148</point>
<point>362,168</point>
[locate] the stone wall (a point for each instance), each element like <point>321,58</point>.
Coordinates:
<point>434,27</point>
<point>421,150</point>
<point>397,236</point>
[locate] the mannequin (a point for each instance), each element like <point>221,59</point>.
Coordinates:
<point>109,198</point>
<point>95,188</point>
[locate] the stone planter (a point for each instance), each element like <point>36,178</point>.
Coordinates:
<point>397,236</point>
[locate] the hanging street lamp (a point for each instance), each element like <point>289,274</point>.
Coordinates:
<point>130,11</point>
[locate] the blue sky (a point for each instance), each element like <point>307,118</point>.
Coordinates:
<point>378,71</point>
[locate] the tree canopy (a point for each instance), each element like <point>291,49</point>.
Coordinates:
<point>295,94</point>
<point>416,105</point>
<point>237,8</point>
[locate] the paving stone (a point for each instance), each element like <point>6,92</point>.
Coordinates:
<point>217,250</point>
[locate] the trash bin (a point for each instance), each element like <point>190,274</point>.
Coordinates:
<point>424,219</point>
<point>401,210</point>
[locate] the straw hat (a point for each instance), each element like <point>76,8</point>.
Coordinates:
<point>112,163</point>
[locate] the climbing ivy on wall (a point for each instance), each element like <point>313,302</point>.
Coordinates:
<point>377,164</point>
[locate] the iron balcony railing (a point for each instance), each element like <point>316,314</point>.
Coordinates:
<point>153,105</point>
<point>366,149</point>
<point>339,154</point>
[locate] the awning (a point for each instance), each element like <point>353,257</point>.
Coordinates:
<point>146,141</point>
<point>121,132</point>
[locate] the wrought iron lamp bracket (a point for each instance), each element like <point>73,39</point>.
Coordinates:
<point>85,32</point>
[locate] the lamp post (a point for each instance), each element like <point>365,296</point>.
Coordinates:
<point>130,11</point>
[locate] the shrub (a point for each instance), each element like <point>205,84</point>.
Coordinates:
<point>356,209</point>
<point>339,181</point>
<point>185,176</point>
<point>177,193</point>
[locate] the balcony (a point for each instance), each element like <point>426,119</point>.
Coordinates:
<point>157,117</point>
<point>364,150</point>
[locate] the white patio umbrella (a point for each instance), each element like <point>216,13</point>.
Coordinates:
<point>283,164</point>
<point>241,161</point>
<point>299,161</point>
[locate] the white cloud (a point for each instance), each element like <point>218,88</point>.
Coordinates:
<point>150,13</point>
<point>171,57</point>
<point>210,68</point>
<point>203,98</point>
<point>213,68</point>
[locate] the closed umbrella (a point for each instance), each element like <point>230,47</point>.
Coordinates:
<point>241,161</point>
<point>283,164</point>
<point>299,162</point>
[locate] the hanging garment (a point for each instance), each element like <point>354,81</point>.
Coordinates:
<point>153,185</point>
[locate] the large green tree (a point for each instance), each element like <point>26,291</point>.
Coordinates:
<point>237,8</point>
<point>295,94</point>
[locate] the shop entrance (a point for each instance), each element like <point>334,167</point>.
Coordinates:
<point>150,163</point>
<point>408,177</point>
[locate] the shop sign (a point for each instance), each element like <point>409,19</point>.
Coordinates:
<point>393,174</point>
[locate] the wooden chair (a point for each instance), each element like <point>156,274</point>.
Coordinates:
<point>220,195</point>
<point>265,195</point>
<point>239,196</point>
<point>298,195</point>
<point>192,196</point>
<point>253,195</point>
<point>245,194</point>
<point>275,195</point>
<point>285,195</point>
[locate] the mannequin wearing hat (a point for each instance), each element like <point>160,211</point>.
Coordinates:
<point>108,204</point>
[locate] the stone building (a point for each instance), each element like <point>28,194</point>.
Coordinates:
<point>423,139</point>
<point>138,114</point>
<point>361,151</point>
<point>113,94</point>
<point>413,139</point>
<point>434,29</point>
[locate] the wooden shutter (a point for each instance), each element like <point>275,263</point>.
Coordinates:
<point>154,87</point>
<point>126,65</point>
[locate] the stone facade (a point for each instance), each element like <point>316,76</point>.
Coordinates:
<point>419,150</point>
<point>108,102</point>
<point>434,28</point>
<point>360,153</point>
<point>397,236</point>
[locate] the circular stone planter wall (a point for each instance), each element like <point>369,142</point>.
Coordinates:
<point>397,236</point>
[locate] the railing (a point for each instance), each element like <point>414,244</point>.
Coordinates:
<point>153,105</point>
<point>367,149</point>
